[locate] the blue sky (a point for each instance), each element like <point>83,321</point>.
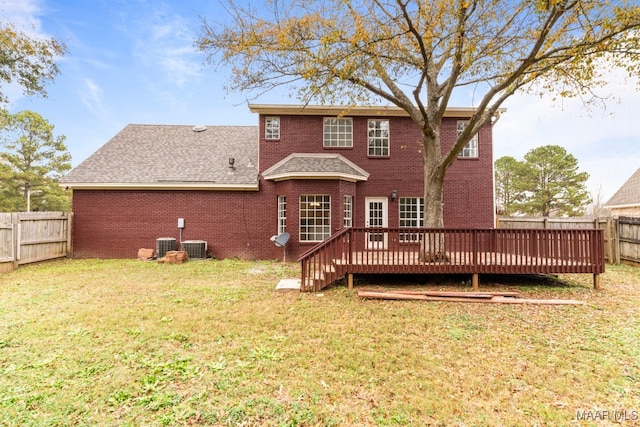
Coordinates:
<point>134,61</point>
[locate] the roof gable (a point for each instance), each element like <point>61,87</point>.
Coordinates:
<point>628,194</point>
<point>315,166</point>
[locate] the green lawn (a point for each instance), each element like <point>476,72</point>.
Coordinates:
<point>129,343</point>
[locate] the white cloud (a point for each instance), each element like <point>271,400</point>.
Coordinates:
<point>91,96</point>
<point>22,14</point>
<point>164,40</point>
<point>605,140</point>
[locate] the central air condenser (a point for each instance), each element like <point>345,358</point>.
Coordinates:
<point>196,249</point>
<point>164,245</point>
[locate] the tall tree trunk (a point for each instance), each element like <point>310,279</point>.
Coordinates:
<point>432,247</point>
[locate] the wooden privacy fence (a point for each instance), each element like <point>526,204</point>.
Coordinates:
<point>27,237</point>
<point>628,237</point>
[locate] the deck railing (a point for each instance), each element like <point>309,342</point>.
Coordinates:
<point>443,251</point>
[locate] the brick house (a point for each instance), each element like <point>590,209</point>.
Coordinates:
<point>308,171</point>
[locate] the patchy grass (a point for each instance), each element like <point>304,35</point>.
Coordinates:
<point>121,342</point>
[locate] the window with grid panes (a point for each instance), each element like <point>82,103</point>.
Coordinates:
<point>471,149</point>
<point>272,128</point>
<point>282,214</point>
<point>411,215</point>
<point>348,211</point>
<point>315,218</point>
<point>338,132</point>
<point>378,137</point>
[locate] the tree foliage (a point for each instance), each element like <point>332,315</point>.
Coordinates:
<point>27,61</point>
<point>507,171</point>
<point>547,182</point>
<point>32,160</point>
<point>415,54</point>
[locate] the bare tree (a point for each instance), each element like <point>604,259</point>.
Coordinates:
<point>415,54</point>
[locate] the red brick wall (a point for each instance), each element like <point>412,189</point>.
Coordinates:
<point>468,191</point>
<point>115,224</point>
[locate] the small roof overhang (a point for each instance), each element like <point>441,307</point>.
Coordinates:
<point>345,110</point>
<point>315,166</point>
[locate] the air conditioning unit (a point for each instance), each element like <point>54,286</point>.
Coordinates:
<point>196,249</point>
<point>164,245</point>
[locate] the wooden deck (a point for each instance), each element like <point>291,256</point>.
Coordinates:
<point>463,251</point>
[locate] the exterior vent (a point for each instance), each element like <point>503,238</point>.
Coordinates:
<point>196,249</point>
<point>199,128</point>
<point>165,244</point>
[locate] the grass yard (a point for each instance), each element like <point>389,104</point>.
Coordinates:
<point>128,343</point>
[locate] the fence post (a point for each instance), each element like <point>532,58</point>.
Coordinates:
<point>69,234</point>
<point>615,238</point>
<point>15,223</point>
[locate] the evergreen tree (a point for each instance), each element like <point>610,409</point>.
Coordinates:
<point>547,182</point>
<point>31,162</point>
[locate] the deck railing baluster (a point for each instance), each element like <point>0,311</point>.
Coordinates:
<point>473,251</point>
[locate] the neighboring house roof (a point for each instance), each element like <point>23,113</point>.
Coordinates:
<point>172,157</point>
<point>315,166</point>
<point>628,195</point>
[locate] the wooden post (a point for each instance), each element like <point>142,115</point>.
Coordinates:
<point>474,281</point>
<point>616,242</point>
<point>15,221</point>
<point>69,234</point>
<point>596,282</point>
<point>349,280</point>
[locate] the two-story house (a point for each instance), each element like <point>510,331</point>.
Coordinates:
<point>308,171</point>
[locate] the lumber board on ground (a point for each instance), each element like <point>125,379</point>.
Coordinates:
<point>498,299</point>
<point>455,293</point>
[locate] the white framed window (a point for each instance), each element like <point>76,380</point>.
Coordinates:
<point>411,216</point>
<point>471,149</point>
<point>282,214</point>
<point>315,218</point>
<point>272,127</point>
<point>378,137</point>
<point>348,211</point>
<point>338,132</point>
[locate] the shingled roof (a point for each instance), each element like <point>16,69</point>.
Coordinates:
<point>172,157</point>
<point>315,166</point>
<point>628,194</point>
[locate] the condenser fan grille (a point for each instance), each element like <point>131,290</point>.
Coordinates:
<point>164,245</point>
<point>196,249</point>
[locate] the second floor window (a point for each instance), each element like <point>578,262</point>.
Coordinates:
<point>338,132</point>
<point>378,137</point>
<point>471,149</point>
<point>272,128</point>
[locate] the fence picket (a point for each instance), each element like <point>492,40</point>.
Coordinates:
<point>27,237</point>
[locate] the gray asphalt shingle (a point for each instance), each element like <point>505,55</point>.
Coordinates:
<point>629,193</point>
<point>152,154</point>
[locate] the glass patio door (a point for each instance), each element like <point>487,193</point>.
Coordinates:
<point>376,217</point>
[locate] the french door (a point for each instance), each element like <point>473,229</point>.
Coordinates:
<point>376,216</point>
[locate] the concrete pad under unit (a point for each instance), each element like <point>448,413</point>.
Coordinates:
<point>288,285</point>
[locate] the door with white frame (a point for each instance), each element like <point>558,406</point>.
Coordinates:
<point>377,216</point>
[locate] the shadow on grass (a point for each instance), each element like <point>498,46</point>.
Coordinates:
<point>461,281</point>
